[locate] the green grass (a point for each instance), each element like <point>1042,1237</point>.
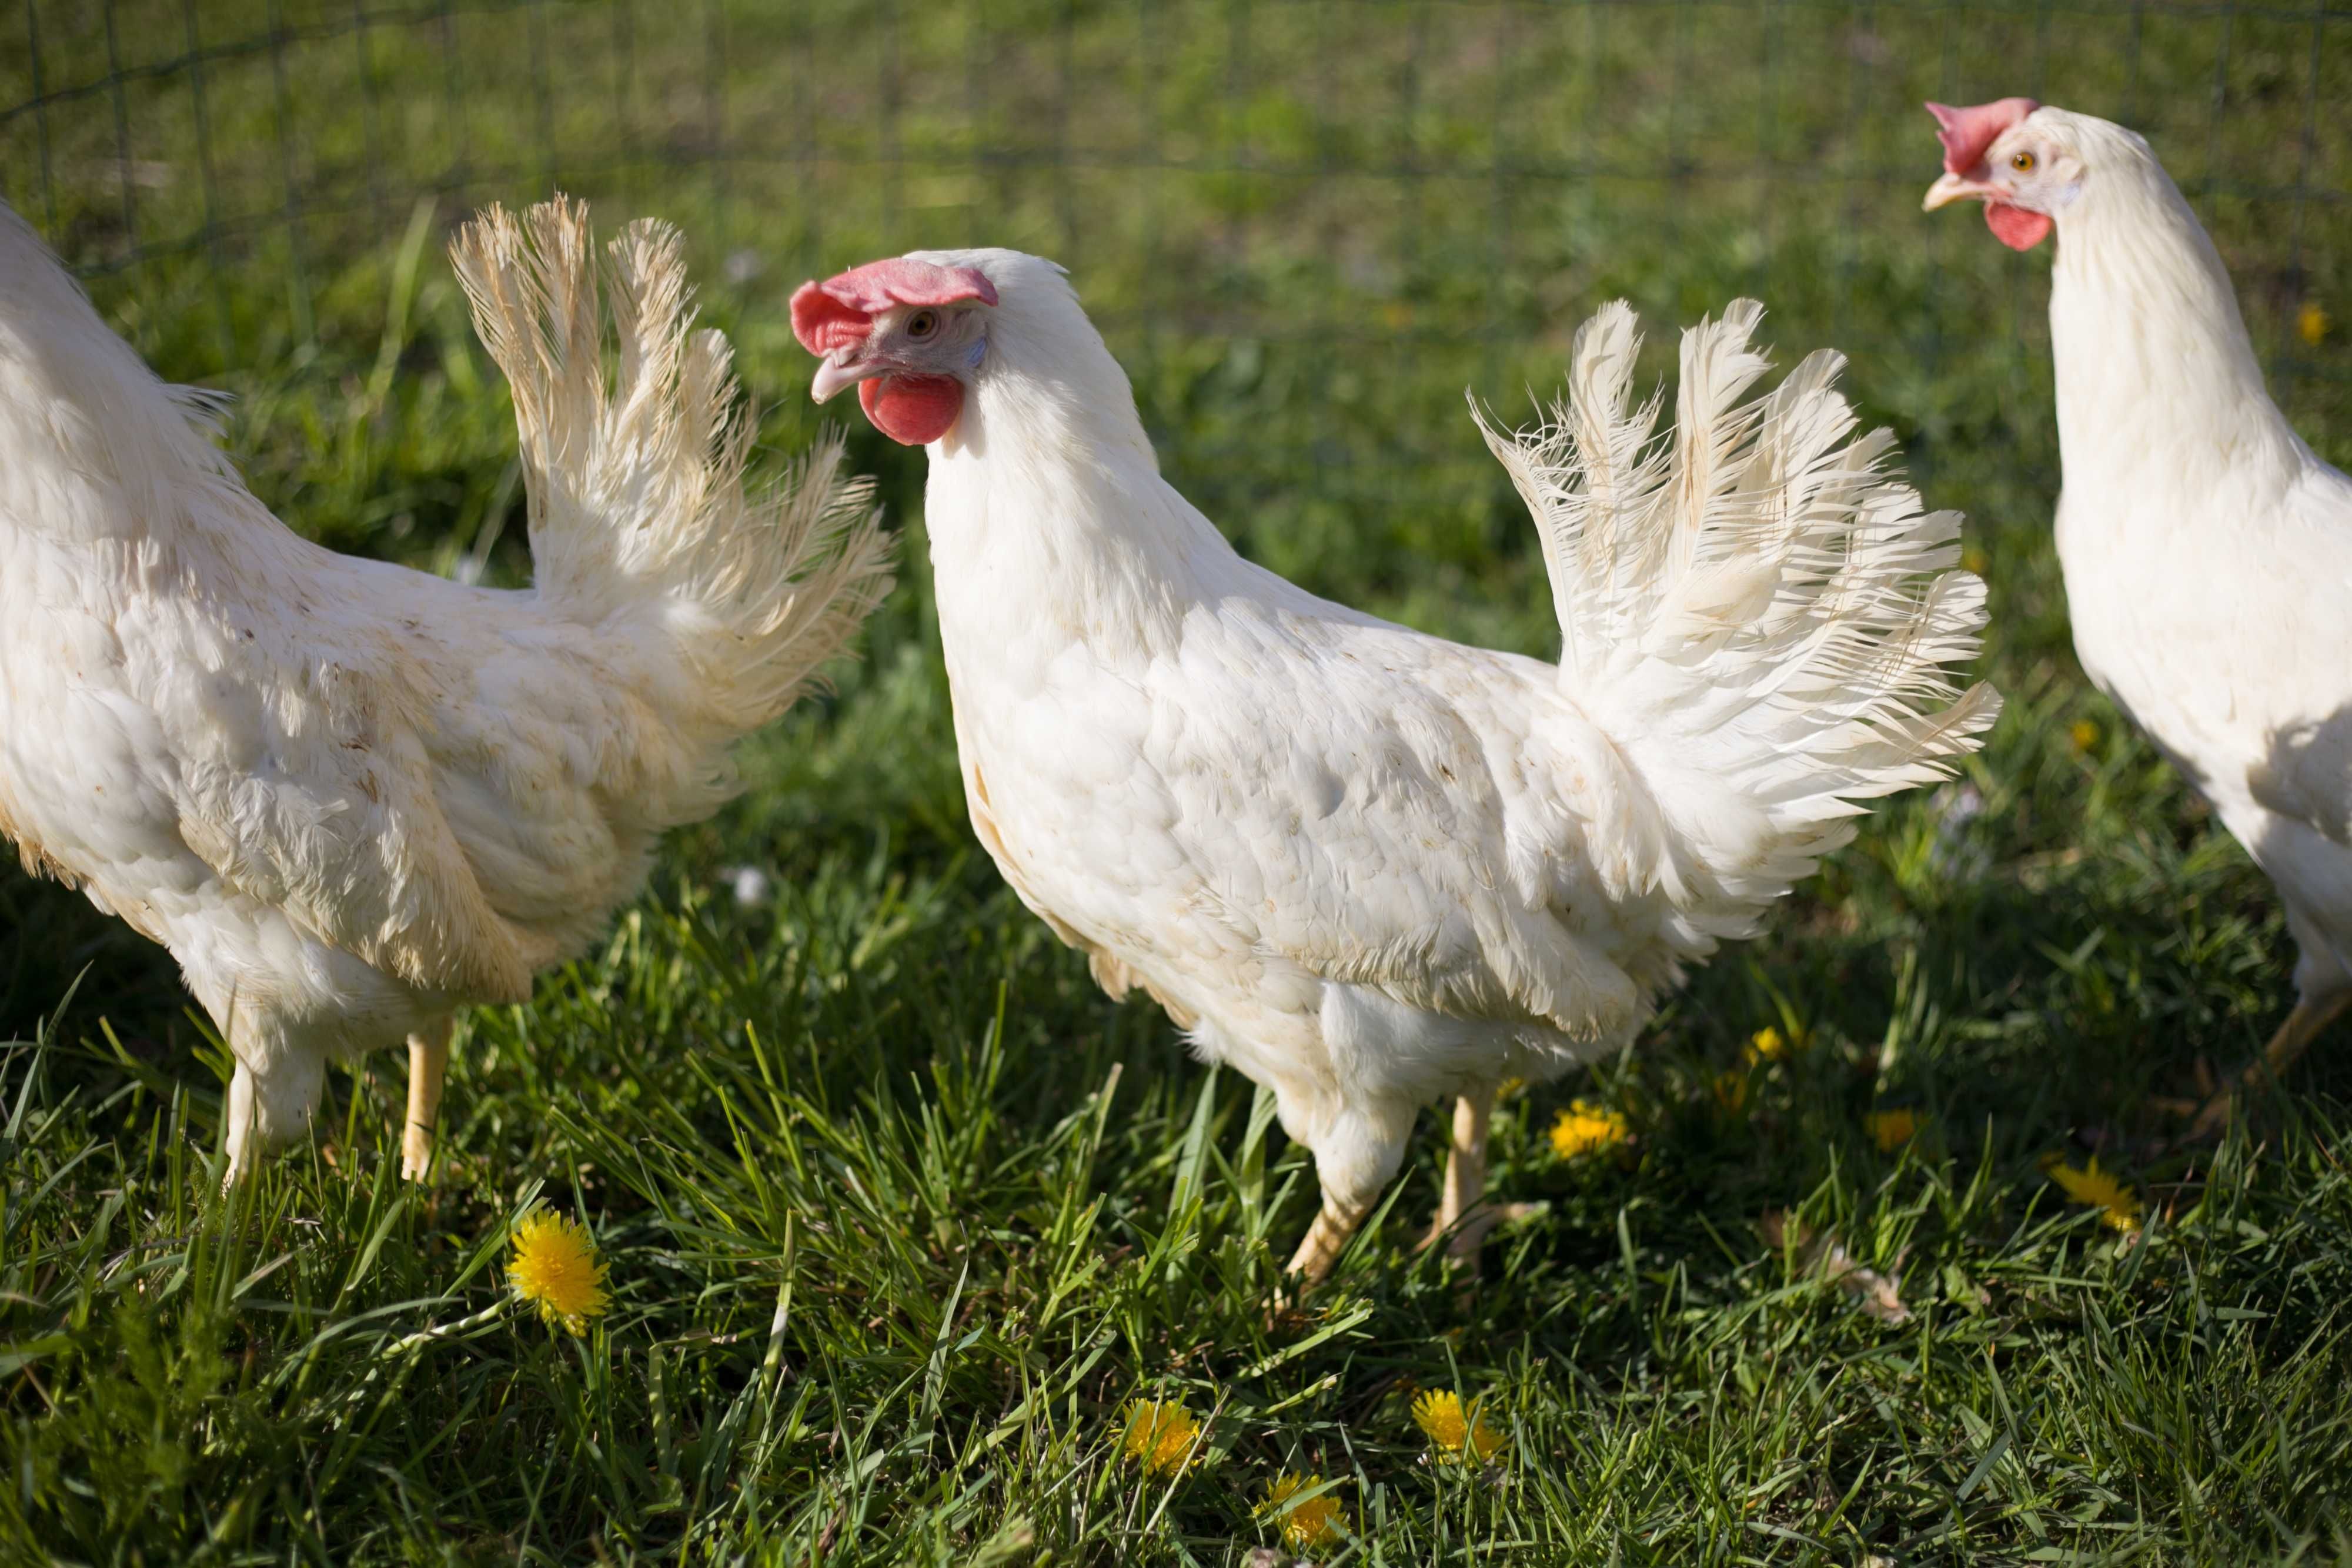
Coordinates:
<point>901,1212</point>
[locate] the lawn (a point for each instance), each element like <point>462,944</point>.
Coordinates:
<point>902,1215</point>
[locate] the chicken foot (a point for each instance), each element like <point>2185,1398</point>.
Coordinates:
<point>428,1062</point>
<point>2310,1018</point>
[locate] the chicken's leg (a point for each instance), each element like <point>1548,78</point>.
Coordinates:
<point>1466,1172</point>
<point>429,1061</point>
<point>1358,1150</point>
<point>1466,1177</point>
<point>1325,1241</point>
<point>2303,1026</point>
<point>244,1143</point>
<point>271,1104</point>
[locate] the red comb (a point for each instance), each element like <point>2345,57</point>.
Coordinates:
<point>1967,132</point>
<point>841,310</point>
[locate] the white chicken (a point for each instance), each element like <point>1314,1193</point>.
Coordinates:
<point>1369,868</point>
<point>350,798</point>
<point>2207,550</point>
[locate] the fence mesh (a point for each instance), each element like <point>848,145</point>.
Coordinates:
<point>1304,223</point>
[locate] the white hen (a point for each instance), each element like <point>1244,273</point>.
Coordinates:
<point>2207,550</point>
<point>351,798</point>
<point>1367,867</point>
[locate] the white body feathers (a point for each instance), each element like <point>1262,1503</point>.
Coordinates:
<point>1369,867</point>
<point>2207,550</point>
<point>349,797</point>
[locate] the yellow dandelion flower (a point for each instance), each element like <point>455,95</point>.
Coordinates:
<point>2311,323</point>
<point>2084,733</point>
<point>1439,1414</point>
<point>1160,1435</point>
<point>1731,1091</point>
<point>555,1269</point>
<point>1893,1129</point>
<point>1313,1522</point>
<point>1584,1127</point>
<point>1767,1044</point>
<point>2101,1190</point>
<point>1973,559</point>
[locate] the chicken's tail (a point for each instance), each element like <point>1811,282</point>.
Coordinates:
<point>1755,609</point>
<point>639,520</point>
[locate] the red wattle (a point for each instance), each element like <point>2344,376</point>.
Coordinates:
<point>2015,227</point>
<point>913,411</point>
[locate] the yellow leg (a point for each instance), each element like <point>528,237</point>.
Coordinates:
<point>2294,1037</point>
<point>1325,1241</point>
<point>1465,1177</point>
<point>1466,1170</point>
<point>429,1061</point>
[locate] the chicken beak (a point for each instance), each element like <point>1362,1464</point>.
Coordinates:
<point>1953,188</point>
<point>838,372</point>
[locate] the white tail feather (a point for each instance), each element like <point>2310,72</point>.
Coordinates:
<point>1755,609</point>
<point>636,477</point>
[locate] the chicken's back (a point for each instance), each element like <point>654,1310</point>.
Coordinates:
<point>446,784</point>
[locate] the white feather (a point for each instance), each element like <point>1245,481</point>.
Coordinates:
<point>1369,867</point>
<point>2207,550</point>
<point>1762,616</point>
<point>350,798</point>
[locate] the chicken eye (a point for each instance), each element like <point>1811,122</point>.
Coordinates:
<point>922,324</point>
<point>2022,163</point>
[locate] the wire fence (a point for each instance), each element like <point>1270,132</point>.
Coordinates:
<point>1317,219</point>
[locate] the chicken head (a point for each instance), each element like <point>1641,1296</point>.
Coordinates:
<point>906,333</point>
<point>1993,152</point>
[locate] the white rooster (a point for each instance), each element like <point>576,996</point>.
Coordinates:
<point>350,798</point>
<point>2207,550</point>
<point>1369,868</point>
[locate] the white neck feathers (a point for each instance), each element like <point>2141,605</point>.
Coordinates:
<point>2153,362</point>
<point>1046,502</point>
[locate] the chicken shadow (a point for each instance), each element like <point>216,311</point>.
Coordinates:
<point>54,945</point>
